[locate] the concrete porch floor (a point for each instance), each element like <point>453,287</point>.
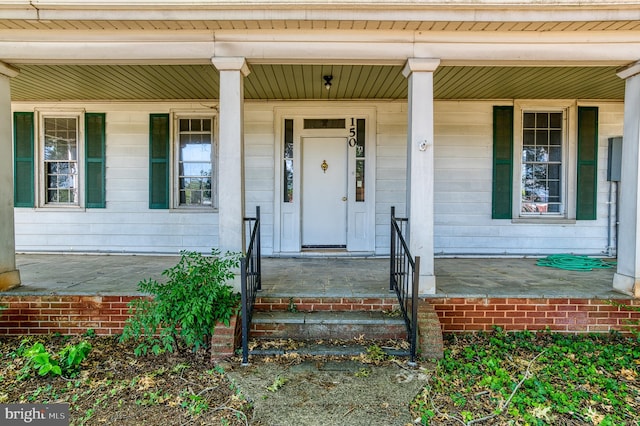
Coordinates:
<point>80,274</point>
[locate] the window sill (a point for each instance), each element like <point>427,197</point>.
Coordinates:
<point>194,210</point>
<point>540,220</point>
<point>52,208</point>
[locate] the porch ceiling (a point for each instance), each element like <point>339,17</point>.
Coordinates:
<point>291,81</point>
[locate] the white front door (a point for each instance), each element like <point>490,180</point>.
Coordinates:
<point>324,192</point>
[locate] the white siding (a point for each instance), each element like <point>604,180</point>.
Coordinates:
<point>259,164</point>
<point>463,168</point>
<point>463,181</point>
<point>126,224</point>
<point>391,157</point>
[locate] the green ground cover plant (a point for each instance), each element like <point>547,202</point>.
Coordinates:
<point>524,378</point>
<point>184,310</point>
<point>37,359</point>
<point>113,386</point>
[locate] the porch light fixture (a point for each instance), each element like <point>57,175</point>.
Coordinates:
<point>327,81</point>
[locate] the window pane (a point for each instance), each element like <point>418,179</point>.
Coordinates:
<point>554,190</point>
<point>542,120</point>
<point>360,180</point>
<point>288,181</point>
<point>540,173</point>
<point>60,159</point>
<point>555,120</point>
<point>541,155</point>
<point>542,137</point>
<point>324,123</point>
<point>360,161</point>
<point>288,150</point>
<point>528,153</point>
<point>529,120</point>
<point>541,163</point>
<point>555,153</point>
<point>528,137</point>
<point>287,170</point>
<point>195,167</point>
<point>361,138</point>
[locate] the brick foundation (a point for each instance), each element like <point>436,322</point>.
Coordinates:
<point>71,315</point>
<point>63,314</point>
<point>106,315</point>
<point>567,315</point>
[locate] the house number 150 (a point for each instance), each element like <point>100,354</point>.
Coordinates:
<point>352,133</point>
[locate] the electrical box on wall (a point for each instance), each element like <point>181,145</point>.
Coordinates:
<point>614,163</point>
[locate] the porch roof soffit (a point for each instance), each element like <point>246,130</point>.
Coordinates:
<point>302,82</point>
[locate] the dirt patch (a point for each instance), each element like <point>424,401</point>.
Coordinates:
<point>114,386</point>
<point>328,391</point>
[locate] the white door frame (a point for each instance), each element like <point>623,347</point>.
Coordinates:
<point>287,216</point>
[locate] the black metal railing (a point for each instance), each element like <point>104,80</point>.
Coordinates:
<point>403,278</point>
<point>250,278</point>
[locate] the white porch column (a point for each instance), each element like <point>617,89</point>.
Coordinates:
<point>231,152</point>
<point>419,72</point>
<point>627,278</point>
<point>9,275</point>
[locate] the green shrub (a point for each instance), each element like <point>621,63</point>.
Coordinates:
<point>186,308</point>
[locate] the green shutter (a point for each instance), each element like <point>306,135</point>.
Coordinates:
<point>502,162</point>
<point>159,161</point>
<point>94,126</point>
<point>23,178</point>
<point>587,186</point>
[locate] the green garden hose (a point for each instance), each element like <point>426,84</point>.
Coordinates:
<point>570,262</point>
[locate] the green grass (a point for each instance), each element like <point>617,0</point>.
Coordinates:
<point>534,379</point>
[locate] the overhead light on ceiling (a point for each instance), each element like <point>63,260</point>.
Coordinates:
<point>327,81</point>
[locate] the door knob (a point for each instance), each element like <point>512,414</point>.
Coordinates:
<point>344,198</point>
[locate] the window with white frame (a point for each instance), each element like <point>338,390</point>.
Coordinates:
<point>195,154</point>
<point>543,163</point>
<point>60,137</point>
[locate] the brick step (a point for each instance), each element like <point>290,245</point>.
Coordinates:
<point>334,304</point>
<point>344,325</point>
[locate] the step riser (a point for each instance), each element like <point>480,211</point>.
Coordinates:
<point>327,331</point>
<point>333,304</point>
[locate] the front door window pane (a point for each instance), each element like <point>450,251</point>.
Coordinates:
<point>287,177</point>
<point>361,138</point>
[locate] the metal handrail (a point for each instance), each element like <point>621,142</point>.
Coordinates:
<point>404,279</point>
<point>250,279</point>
